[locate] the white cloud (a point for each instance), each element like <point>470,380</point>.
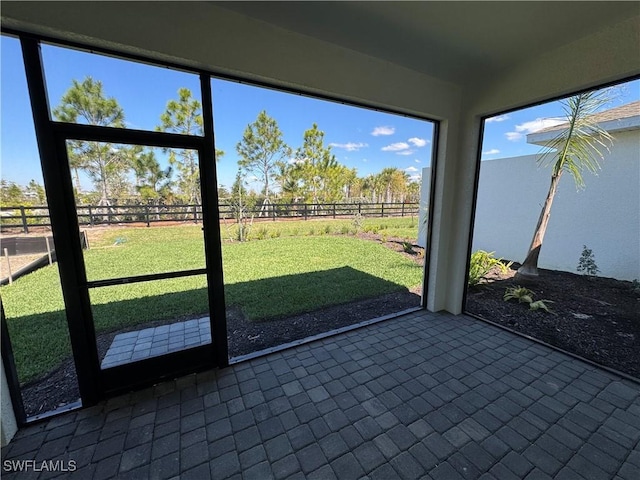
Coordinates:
<point>418,142</point>
<point>350,147</point>
<point>383,131</point>
<point>405,152</point>
<point>532,127</point>
<point>417,161</point>
<point>396,147</point>
<point>499,118</point>
<point>411,169</point>
<point>493,151</point>
<point>513,136</point>
<point>415,178</point>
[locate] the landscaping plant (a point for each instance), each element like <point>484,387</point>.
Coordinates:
<point>576,148</point>
<point>587,263</point>
<point>524,295</point>
<point>481,263</point>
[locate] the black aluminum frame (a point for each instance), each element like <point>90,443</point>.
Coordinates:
<point>476,181</point>
<point>94,383</point>
<point>432,197</point>
<point>52,136</point>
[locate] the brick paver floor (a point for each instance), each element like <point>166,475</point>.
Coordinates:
<point>150,342</point>
<point>421,396</point>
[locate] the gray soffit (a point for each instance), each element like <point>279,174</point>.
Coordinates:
<point>454,41</point>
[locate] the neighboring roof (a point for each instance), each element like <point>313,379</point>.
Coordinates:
<point>624,111</point>
<point>624,117</point>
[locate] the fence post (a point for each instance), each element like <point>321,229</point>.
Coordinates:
<point>273,211</point>
<point>334,211</point>
<point>305,211</point>
<point>90,217</point>
<point>46,239</point>
<point>195,214</point>
<point>6,255</point>
<point>382,210</point>
<point>146,213</point>
<point>402,209</point>
<point>24,220</point>
<point>359,206</point>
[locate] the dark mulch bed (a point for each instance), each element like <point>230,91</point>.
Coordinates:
<point>247,337</point>
<point>595,318</point>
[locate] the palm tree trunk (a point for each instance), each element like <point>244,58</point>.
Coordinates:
<point>530,265</point>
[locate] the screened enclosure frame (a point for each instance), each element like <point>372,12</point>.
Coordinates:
<point>95,383</point>
<point>478,165</point>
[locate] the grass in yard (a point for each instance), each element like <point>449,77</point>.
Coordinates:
<point>403,227</point>
<point>268,278</point>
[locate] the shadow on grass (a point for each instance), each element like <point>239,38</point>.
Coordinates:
<point>41,342</point>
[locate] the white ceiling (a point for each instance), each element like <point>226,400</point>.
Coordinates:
<point>455,41</point>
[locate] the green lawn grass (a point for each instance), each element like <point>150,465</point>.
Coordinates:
<point>268,278</point>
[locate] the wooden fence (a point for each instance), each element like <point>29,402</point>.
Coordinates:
<point>23,217</point>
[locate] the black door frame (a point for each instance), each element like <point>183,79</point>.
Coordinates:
<point>95,383</point>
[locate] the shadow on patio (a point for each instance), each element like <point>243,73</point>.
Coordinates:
<point>420,396</point>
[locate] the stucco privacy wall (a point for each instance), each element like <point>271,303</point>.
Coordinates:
<point>605,216</point>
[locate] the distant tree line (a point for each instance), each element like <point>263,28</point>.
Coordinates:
<point>12,194</point>
<point>309,173</point>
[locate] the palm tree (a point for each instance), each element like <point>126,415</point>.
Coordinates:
<point>575,149</point>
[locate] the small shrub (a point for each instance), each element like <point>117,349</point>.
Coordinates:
<point>344,229</point>
<point>357,222</point>
<point>312,232</point>
<point>383,238</point>
<point>295,232</point>
<point>274,233</point>
<point>540,305</point>
<point>261,233</point>
<point>327,229</point>
<point>587,263</point>
<point>481,264</point>
<point>407,247</point>
<point>524,295</point>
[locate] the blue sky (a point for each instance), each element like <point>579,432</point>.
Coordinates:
<point>363,139</point>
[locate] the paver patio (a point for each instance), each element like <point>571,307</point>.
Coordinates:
<point>150,342</point>
<point>420,396</point>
